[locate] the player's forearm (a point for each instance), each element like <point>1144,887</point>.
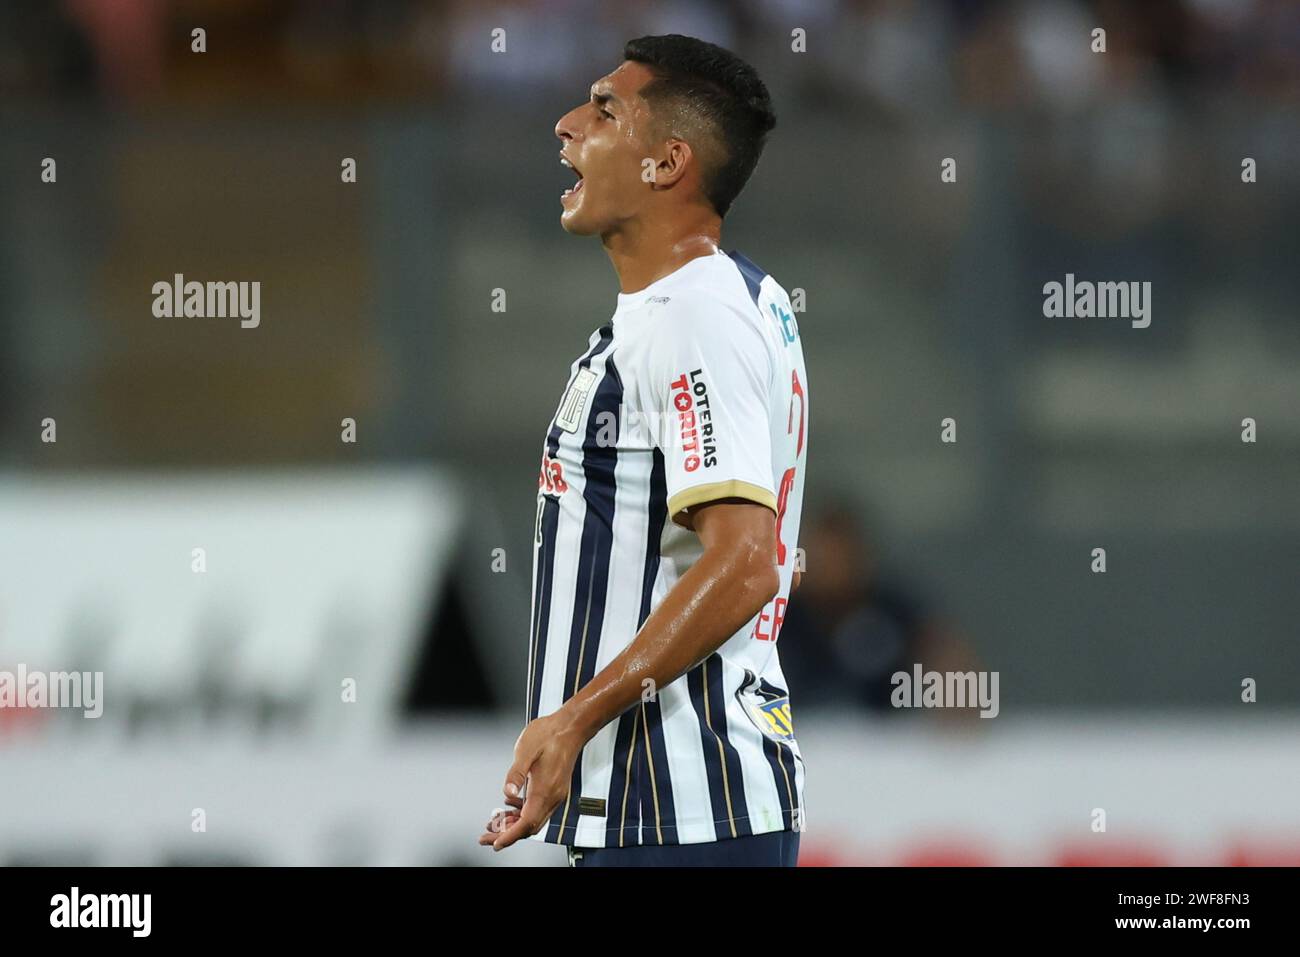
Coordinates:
<point>717,595</point>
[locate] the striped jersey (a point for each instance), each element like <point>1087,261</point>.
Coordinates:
<point>694,391</point>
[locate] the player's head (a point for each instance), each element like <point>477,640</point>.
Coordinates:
<point>679,123</point>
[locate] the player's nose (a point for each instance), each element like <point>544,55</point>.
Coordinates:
<point>566,128</point>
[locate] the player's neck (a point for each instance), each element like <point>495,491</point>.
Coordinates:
<point>643,253</point>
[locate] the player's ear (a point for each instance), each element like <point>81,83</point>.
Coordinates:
<point>672,165</point>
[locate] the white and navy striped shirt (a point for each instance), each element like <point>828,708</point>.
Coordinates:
<point>694,391</point>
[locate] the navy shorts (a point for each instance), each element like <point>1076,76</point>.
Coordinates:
<point>775,849</point>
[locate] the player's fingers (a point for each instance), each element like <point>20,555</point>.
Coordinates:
<point>520,829</point>
<point>530,820</point>
<point>488,839</point>
<point>501,818</point>
<point>513,789</point>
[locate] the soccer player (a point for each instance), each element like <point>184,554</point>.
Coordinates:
<point>659,724</point>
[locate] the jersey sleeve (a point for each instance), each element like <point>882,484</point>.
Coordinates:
<point>707,385</point>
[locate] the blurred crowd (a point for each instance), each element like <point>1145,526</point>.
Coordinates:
<point>899,57</point>
<point>856,621</point>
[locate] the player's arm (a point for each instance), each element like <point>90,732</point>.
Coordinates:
<point>726,587</point>
<point>729,584</point>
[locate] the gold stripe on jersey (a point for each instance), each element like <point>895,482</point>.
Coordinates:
<point>627,775</point>
<point>789,790</point>
<point>722,755</point>
<point>582,646</point>
<point>732,488</point>
<point>654,786</point>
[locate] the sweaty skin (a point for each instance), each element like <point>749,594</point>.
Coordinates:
<point>650,226</point>
<point>730,583</point>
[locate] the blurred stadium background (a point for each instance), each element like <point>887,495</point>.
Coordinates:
<point>402,561</point>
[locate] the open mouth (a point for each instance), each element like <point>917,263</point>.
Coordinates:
<point>564,161</point>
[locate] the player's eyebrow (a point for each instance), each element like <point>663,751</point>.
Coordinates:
<point>603,97</point>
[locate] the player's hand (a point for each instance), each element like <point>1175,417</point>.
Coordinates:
<point>545,755</point>
<point>501,819</point>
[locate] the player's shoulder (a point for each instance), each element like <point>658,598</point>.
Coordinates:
<point>771,303</point>
<point>719,301</point>
<point>740,281</point>
<point>761,286</point>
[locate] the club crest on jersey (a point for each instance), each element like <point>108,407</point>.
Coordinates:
<point>767,706</point>
<point>690,397</point>
<point>773,717</point>
<point>575,400</point>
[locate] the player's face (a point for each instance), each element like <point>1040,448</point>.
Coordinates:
<point>603,140</point>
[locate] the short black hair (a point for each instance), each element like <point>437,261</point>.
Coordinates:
<point>719,88</point>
